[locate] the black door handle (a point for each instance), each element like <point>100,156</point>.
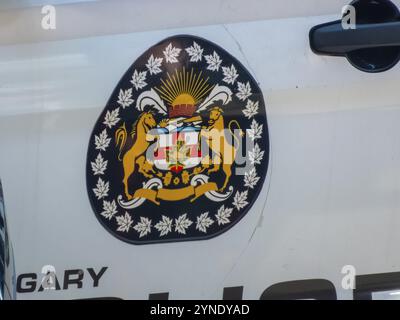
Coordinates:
<point>332,39</point>
<point>374,44</point>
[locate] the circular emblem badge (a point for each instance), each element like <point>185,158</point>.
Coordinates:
<point>181,150</point>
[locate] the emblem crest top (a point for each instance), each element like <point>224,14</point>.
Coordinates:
<point>181,150</point>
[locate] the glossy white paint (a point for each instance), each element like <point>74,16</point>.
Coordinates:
<point>331,197</point>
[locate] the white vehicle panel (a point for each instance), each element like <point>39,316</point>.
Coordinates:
<point>330,198</point>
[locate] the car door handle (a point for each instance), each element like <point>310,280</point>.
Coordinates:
<point>332,39</point>
<point>372,46</point>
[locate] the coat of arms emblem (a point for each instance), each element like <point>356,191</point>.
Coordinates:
<point>181,150</point>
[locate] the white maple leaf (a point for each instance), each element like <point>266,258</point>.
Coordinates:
<point>154,64</point>
<point>256,155</point>
<point>125,98</point>
<point>255,130</point>
<point>171,53</point>
<point>195,52</point>
<point>251,178</point>
<point>204,222</point>
<point>213,61</point>
<point>251,109</point>
<point>139,79</point>
<point>164,226</point>
<point>99,165</point>
<point>244,91</point>
<point>240,199</point>
<point>102,141</point>
<point>110,209</point>
<point>101,189</point>
<point>223,215</point>
<point>230,74</point>
<point>182,223</point>
<point>111,118</point>
<point>143,227</point>
<point>124,222</point>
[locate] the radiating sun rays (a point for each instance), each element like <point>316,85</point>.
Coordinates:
<point>184,87</point>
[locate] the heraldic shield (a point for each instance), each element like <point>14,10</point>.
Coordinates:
<point>181,150</point>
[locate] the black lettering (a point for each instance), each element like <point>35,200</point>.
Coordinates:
<point>28,286</point>
<point>159,296</point>
<point>69,281</point>
<point>318,289</point>
<point>233,293</point>
<point>370,283</point>
<point>96,277</point>
<point>54,278</point>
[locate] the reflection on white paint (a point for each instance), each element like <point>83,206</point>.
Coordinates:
<point>59,61</point>
<point>13,4</point>
<point>38,83</point>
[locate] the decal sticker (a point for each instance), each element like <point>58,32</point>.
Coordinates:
<point>181,150</point>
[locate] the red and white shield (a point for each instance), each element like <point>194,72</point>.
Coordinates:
<point>178,149</point>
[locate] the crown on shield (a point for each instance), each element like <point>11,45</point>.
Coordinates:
<point>183,91</point>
